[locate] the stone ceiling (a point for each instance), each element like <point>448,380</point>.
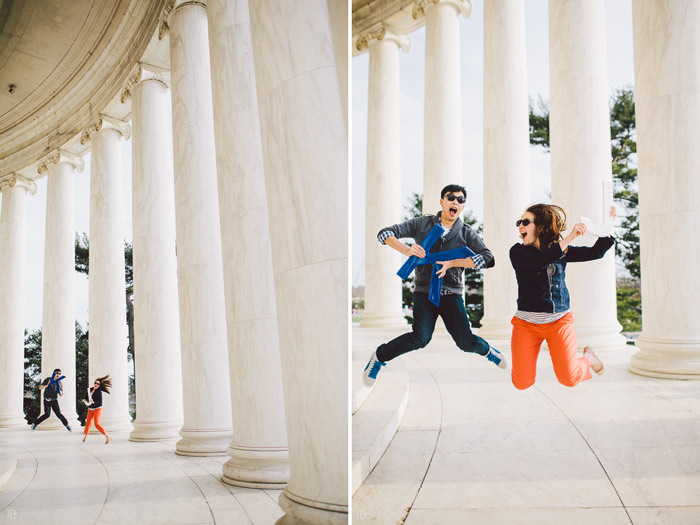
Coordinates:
<point>62,62</point>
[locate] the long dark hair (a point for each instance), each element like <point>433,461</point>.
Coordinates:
<point>105,383</point>
<point>550,222</point>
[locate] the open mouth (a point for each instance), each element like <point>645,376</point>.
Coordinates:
<point>453,211</point>
<point>523,235</point>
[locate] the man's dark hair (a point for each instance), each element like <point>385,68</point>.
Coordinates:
<point>453,188</point>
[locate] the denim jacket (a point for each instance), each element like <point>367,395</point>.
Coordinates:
<point>460,235</point>
<point>541,274</point>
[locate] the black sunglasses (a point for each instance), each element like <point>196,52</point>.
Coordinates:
<point>451,196</point>
<point>524,222</point>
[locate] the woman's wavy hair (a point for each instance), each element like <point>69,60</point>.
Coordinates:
<point>105,383</point>
<point>550,222</point>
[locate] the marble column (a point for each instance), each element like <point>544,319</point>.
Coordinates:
<point>259,453</point>
<point>305,160</point>
<point>13,217</point>
<point>108,339</point>
<point>443,97</point>
<point>667,96</point>
<point>382,204</point>
<point>579,128</point>
<point>205,381</point>
<point>58,320</point>
<point>506,155</point>
<point>157,322</point>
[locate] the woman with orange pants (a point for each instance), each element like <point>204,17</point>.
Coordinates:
<point>94,403</point>
<point>543,298</point>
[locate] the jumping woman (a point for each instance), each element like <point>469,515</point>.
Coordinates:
<point>94,403</point>
<point>543,298</point>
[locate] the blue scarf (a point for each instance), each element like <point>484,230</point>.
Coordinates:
<point>432,258</point>
<point>57,382</point>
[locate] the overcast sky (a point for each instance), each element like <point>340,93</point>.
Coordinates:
<point>412,69</point>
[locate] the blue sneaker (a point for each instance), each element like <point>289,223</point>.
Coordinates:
<point>372,370</point>
<point>34,426</point>
<point>496,358</point>
<point>69,428</point>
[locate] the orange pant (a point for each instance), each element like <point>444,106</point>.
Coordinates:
<point>560,336</point>
<point>96,415</point>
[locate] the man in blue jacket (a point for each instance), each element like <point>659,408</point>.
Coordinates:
<point>52,388</point>
<point>451,308</point>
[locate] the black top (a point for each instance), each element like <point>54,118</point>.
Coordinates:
<point>541,274</point>
<point>51,392</point>
<point>96,398</point>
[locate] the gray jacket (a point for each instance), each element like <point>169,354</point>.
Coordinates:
<point>460,235</point>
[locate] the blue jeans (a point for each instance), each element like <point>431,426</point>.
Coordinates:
<point>425,314</point>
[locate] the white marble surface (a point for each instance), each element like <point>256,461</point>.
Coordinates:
<point>58,314</point>
<point>382,203</point>
<point>668,111</point>
<point>614,446</point>
<point>205,367</point>
<point>506,156</point>
<point>156,323</point>
<point>13,216</point>
<point>443,101</point>
<point>259,453</point>
<point>305,160</point>
<point>580,146</point>
<point>123,482</point>
<point>108,339</point>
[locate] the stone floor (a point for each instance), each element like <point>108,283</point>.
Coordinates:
<point>60,480</point>
<point>617,449</point>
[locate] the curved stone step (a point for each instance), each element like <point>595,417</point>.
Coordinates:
<point>376,418</point>
<point>8,466</point>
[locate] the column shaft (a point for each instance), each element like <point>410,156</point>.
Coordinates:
<point>108,340</point>
<point>58,320</point>
<point>305,159</point>
<point>666,54</point>
<point>12,300</point>
<point>506,155</point>
<point>259,454</point>
<point>205,382</point>
<point>443,99</point>
<point>383,205</point>
<point>156,323</point>
<point>580,144</point>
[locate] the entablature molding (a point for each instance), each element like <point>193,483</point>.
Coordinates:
<point>462,6</point>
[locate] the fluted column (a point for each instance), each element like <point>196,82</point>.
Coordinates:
<point>108,340</point>
<point>58,319</point>
<point>13,217</point>
<point>506,155</point>
<point>305,159</point>
<point>382,204</point>
<point>205,381</point>
<point>579,128</point>
<point>157,322</point>
<point>443,97</point>
<point>667,96</point>
<point>259,453</point>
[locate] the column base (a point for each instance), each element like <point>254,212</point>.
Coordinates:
<point>378,319</point>
<point>600,336</point>
<point>497,330</point>
<point>307,512</point>
<point>113,424</point>
<point>666,359</point>
<point>204,442</point>
<point>13,421</point>
<point>155,430</point>
<point>256,468</point>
